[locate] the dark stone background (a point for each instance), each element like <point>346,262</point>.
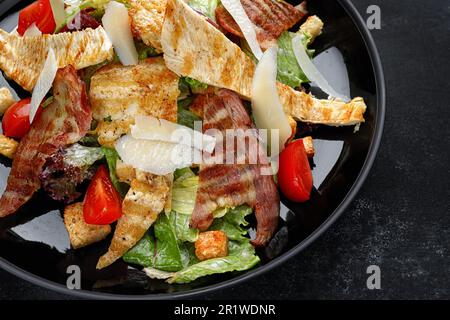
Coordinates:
<point>401,218</point>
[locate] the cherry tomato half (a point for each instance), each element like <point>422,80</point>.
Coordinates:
<point>39,12</point>
<point>294,174</point>
<point>16,120</point>
<point>102,203</point>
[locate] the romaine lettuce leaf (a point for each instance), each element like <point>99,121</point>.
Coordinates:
<point>187,118</point>
<point>233,223</point>
<point>180,225</point>
<point>241,254</point>
<point>207,7</point>
<point>289,72</point>
<point>112,156</point>
<point>144,51</point>
<point>241,257</point>
<point>184,191</point>
<point>80,156</point>
<point>194,85</point>
<point>160,251</point>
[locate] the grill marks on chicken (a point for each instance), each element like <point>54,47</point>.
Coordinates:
<point>188,37</point>
<point>270,18</point>
<point>65,121</point>
<point>230,185</point>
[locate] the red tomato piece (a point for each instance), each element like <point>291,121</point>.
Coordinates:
<point>294,174</point>
<point>16,120</point>
<point>39,12</point>
<point>102,203</point>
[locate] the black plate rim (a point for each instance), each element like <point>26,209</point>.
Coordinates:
<point>371,156</point>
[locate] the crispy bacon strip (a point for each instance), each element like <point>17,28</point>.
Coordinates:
<point>270,17</point>
<point>63,122</point>
<point>245,182</point>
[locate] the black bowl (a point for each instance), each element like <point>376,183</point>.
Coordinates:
<point>34,244</point>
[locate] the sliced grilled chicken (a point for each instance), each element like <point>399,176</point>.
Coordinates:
<point>119,93</point>
<point>147,17</point>
<point>141,207</point>
<point>22,58</point>
<point>193,47</point>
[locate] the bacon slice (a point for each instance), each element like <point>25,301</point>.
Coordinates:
<point>229,185</point>
<point>65,121</point>
<point>270,18</point>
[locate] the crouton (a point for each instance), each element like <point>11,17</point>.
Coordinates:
<point>309,146</point>
<point>6,99</point>
<point>7,146</point>
<point>211,244</point>
<point>293,125</point>
<point>82,234</point>
<point>312,27</point>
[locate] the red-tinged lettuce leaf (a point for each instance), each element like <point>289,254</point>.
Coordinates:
<point>67,169</point>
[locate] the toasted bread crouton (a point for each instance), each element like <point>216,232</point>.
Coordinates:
<point>309,146</point>
<point>8,146</point>
<point>82,234</point>
<point>312,27</point>
<point>293,125</point>
<point>211,244</point>
<point>6,99</point>
<point>141,206</point>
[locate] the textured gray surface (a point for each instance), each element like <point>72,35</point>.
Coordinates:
<point>401,218</point>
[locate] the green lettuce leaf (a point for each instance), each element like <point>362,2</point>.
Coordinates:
<point>184,191</point>
<point>207,7</point>
<point>161,250</point>
<point>180,225</point>
<point>80,156</point>
<point>187,118</point>
<point>289,72</point>
<point>144,51</point>
<point>233,223</point>
<point>241,254</point>
<point>241,257</point>
<point>194,85</point>
<point>112,156</point>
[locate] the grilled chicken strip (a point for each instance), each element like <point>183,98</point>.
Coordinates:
<point>65,121</point>
<point>142,204</point>
<point>147,17</point>
<point>195,48</point>
<point>119,93</point>
<point>246,181</point>
<point>22,58</point>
